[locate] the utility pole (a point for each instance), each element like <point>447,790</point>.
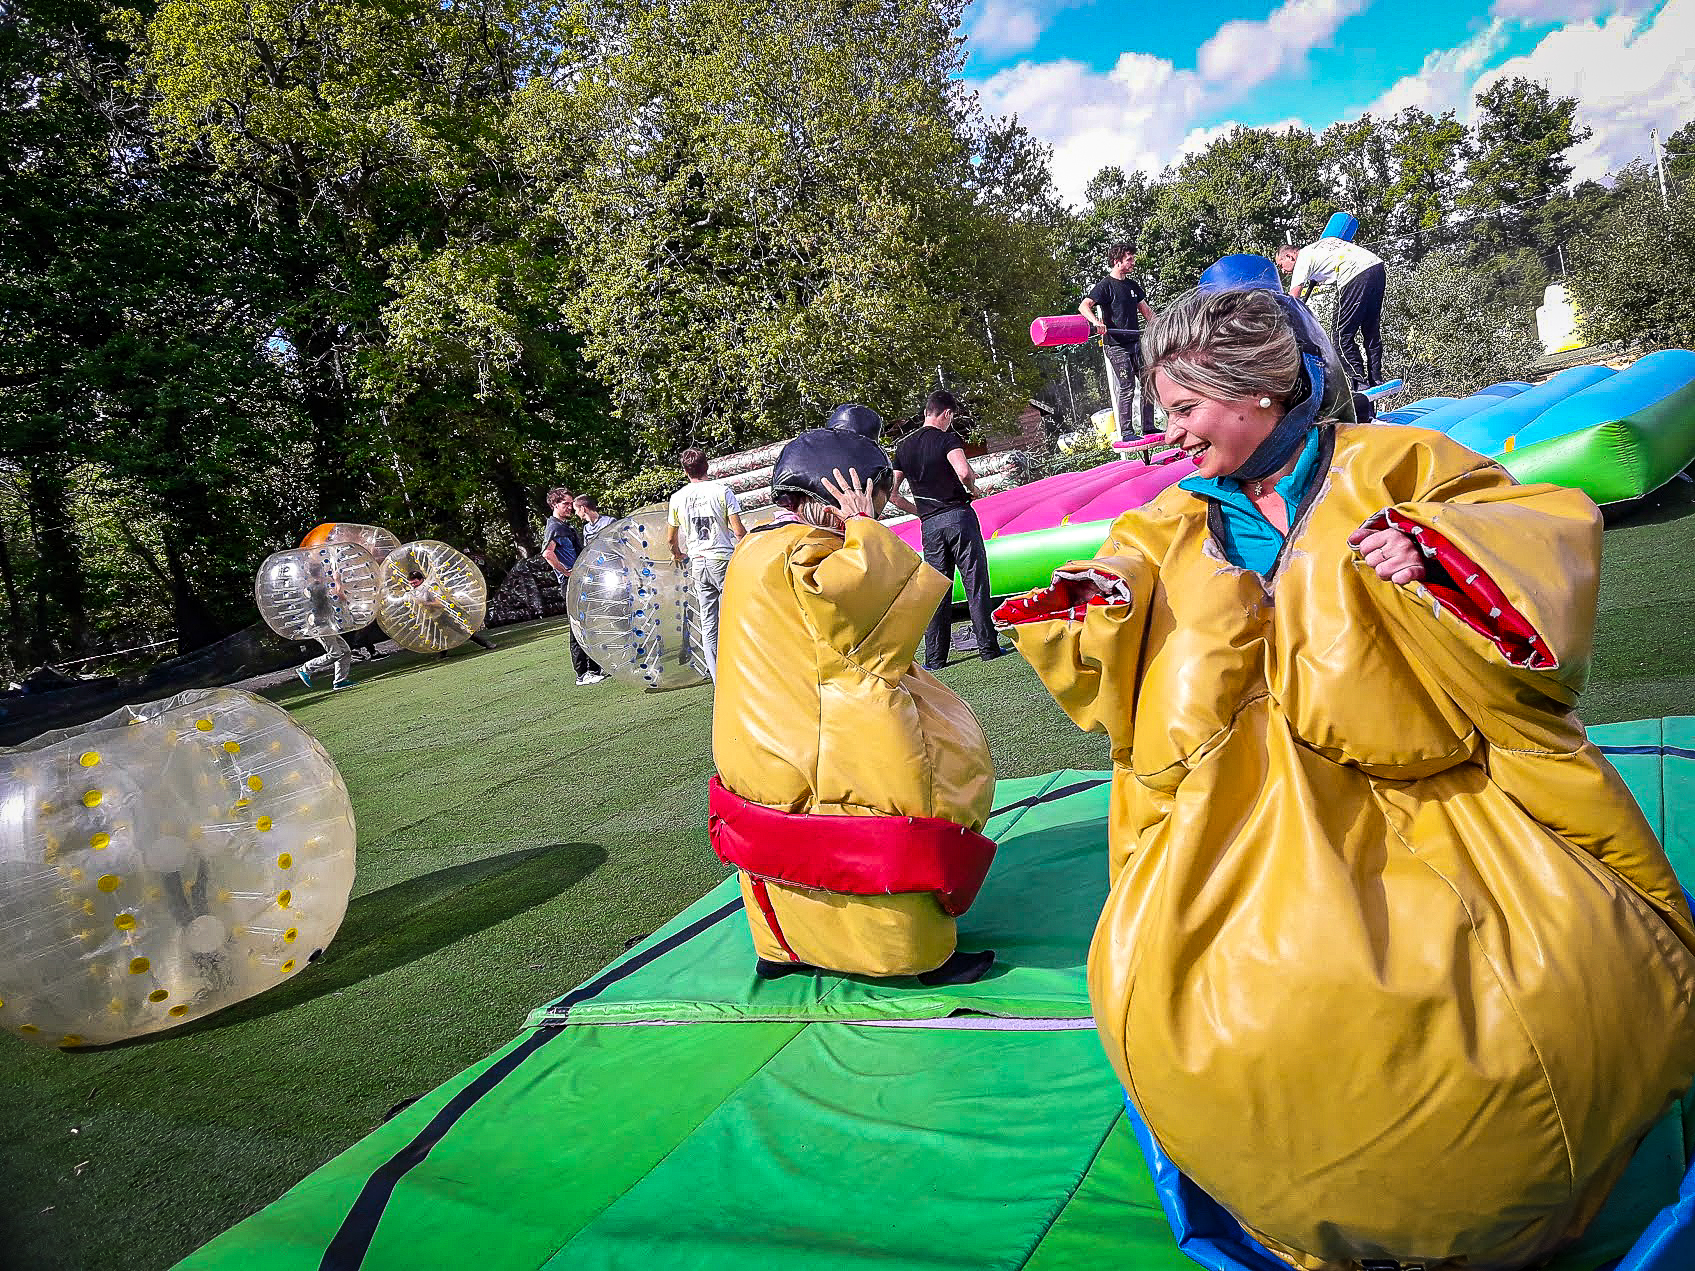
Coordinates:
<point>1660,165</point>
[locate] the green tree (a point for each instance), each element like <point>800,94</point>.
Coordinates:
<point>142,412</point>
<point>1426,153</point>
<point>1357,166</point>
<point>1516,165</point>
<point>1445,330</point>
<point>1631,277</point>
<point>377,141</point>
<point>1116,208</point>
<point>1249,191</point>
<point>780,208</point>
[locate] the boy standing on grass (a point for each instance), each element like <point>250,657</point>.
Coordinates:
<point>560,546</point>
<point>588,512</point>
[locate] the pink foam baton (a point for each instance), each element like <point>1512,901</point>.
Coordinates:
<point>1065,328</point>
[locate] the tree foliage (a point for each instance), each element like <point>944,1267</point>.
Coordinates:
<point>775,210</point>
<point>268,262</point>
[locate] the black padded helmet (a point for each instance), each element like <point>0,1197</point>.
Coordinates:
<point>862,419</point>
<point>846,442</point>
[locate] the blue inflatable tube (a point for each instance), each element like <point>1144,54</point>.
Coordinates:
<point>1414,411</point>
<point>1649,381</point>
<point>1445,417</point>
<point>1487,431</point>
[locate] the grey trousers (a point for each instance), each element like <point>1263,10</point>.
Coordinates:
<point>337,653</point>
<point>707,576</point>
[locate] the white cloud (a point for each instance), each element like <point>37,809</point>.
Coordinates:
<point>1136,115</point>
<point>999,28</point>
<point>1143,113</point>
<point>1539,12</point>
<point>1628,75</point>
<point>1448,77</point>
<point>1242,54</point>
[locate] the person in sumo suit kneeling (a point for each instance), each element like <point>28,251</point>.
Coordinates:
<point>852,787</point>
<point>1392,965</point>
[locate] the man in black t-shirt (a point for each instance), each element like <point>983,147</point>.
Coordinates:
<point>1116,305</point>
<point>932,460</point>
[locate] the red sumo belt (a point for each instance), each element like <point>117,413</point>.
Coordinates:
<point>853,855</point>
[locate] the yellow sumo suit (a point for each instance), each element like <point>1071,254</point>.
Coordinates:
<point>872,780</point>
<point>1392,965</point>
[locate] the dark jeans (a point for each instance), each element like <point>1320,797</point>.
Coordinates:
<point>953,539</point>
<point>581,662</point>
<point>1359,309</point>
<point>1126,360</point>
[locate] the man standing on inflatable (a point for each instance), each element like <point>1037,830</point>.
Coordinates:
<point>1360,280</point>
<point>1116,305</point>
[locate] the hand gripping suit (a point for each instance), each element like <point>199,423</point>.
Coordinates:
<point>852,786</point>
<point>1392,965</point>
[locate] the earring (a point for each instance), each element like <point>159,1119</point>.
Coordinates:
<point>1264,402</point>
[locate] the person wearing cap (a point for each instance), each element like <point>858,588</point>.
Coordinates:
<point>1379,911</point>
<point>852,787</point>
<point>931,458</point>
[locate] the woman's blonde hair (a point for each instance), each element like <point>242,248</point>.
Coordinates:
<point>1226,344</point>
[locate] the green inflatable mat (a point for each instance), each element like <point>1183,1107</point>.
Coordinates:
<point>1617,460</point>
<point>674,1111</point>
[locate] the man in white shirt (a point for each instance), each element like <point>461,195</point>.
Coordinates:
<point>705,526</point>
<point>1359,279</point>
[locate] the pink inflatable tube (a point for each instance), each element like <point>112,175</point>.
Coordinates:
<point>1064,328</point>
<point>998,508</point>
<point>1062,506</point>
<point>1133,493</point>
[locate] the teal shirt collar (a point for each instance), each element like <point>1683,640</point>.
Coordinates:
<point>1251,541</point>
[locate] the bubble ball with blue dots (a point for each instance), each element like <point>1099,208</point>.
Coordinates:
<point>632,609</point>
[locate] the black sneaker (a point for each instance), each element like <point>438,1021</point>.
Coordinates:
<point>960,968</point>
<point>999,651</point>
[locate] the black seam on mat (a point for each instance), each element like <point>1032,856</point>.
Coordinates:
<point>1094,1159</point>
<point>1678,752</point>
<point>352,1241</point>
<point>1048,796</point>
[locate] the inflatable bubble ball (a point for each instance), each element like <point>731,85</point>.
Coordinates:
<point>433,597</point>
<point>312,591</point>
<point>162,863</point>
<point>632,609</point>
<point>373,538</point>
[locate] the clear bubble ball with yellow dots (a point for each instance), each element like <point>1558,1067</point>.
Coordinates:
<point>163,862</point>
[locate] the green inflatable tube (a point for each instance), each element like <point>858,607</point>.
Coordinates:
<point>1019,562</point>
<point>1618,459</point>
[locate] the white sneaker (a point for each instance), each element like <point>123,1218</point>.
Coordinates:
<point>595,677</point>
<point>589,677</point>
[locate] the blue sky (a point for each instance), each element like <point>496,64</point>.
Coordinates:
<point>1105,81</point>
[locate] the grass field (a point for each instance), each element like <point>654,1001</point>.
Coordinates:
<point>515,833</point>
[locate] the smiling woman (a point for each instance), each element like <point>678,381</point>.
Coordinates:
<point>1374,893</point>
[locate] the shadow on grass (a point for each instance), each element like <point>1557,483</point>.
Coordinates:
<point>405,662</point>
<point>1671,502</point>
<point>411,920</point>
